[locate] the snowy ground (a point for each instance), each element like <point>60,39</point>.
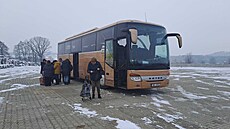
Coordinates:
<point>197,97</point>
<point>9,75</point>
<point>18,72</point>
<point>195,93</point>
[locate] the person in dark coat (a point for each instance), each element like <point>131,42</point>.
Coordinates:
<point>95,70</point>
<point>48,73</point>
<point>66,68</point>
<point>42,65</point>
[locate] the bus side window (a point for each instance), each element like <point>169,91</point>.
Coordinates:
<point>122,42</point>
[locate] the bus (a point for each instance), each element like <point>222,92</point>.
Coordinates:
<point>133,54</point>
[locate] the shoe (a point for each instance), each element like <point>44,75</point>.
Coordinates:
<point>99,96</point>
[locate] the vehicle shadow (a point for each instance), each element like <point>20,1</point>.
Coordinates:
<point>137,92</point>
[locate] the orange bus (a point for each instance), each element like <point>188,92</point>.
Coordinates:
<point>133,54</point>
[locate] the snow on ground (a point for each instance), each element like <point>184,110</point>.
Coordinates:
<point>219,75</point>
<point>170,119</point>
<point>226,93</point>
<point>85,111</point>
<point>21,70</point>
<point>162,105</point>
<point>209,72</point>
<point>194,112</point>
<point>190,95</point>
<point>202,88</point>
<point>225,107</point>
<point>145,105</point>
<point>18,72</point>
<point>146,120</point>
<point>17,87</point>
<point>110,107</point>
<point>222,82</point>
<point>204,82</point>
<point>158,102</point>
<point>121,124</point>
<point>4,76</point>
<point>1,99</point>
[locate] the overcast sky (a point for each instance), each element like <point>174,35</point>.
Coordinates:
<point>203,24</point>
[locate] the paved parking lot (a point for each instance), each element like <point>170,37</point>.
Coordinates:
<point>194,99</point>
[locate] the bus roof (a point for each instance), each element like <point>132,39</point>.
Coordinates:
<point>98,29</point>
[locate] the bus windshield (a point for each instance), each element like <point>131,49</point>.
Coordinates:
<point>150,49</point>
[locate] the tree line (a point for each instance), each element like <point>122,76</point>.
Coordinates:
<point>200,59</point>
<point>32,50</point>
<point>3,49</point>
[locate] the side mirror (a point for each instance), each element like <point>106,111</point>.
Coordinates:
<point>133,33</point>
<point>179,38</point>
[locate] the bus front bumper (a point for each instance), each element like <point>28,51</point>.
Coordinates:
<point>147,79</point>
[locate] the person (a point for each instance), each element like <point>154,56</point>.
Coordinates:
<point>42,65</point>
<point>57,71</point>
<point>66,68</point>
<point>48,70</point>
<point>60,76</point>
<point>95,70</point>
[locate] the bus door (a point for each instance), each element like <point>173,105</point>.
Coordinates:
<point>76,66</point>
<point>121,63</point>
<point>109,63</point>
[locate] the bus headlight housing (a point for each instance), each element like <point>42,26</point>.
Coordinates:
<point>136,78</point>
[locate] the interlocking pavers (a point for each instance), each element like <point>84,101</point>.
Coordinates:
<point>52,107</point>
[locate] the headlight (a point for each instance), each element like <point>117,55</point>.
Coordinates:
<point>136,79</point>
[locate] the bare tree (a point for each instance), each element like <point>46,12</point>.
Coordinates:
<point>25,50</point>
<point>22,50</point>
<point>39,45</point>
<point>17,52</point>
<point>3,49</point>
<point>188,58</point>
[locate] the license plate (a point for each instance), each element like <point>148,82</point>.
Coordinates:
<point>155,84</point>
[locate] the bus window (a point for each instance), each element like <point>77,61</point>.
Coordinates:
<point>143,42</point>
<point>61,49</point>
<point>161,51</point>
<point>122,42</point>
<point>103,35</point>
<point>76,45</point>
<point>89,42</point>
<point>67,47</point>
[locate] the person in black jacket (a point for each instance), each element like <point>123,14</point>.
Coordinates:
<point>42,65</point>
<point>95,70</point>
<point>48,73</point>
<point>66,68</point>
